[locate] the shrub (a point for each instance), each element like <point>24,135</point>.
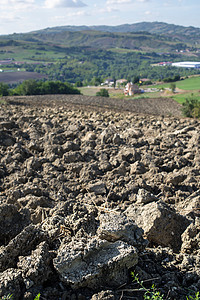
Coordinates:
<point>33,87</point>
<point>196,110</point>
<point>103,93</point>
<point>191,107</point>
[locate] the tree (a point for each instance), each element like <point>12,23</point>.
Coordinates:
<point>33,87</point>
<point>177,77</point>
<point>103,93</point>
<point>172,87</point>
<point>136,79</point>
<point>28,87</point>
<point>79,83</point>
<point>114,85</point>
<point>4,89</point>
<point>95,81</point>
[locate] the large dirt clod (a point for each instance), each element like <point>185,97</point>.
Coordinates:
<point>161,224</point>
<point>93,263</point>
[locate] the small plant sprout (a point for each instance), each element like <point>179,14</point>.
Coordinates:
<point>149,294</point>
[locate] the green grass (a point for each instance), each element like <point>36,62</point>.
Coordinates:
<point>30,53</point>
<point>180,98</point>
<point>192,83</point>
<point>125,51</point>
<point>148,95</point>
<point>89,91</point>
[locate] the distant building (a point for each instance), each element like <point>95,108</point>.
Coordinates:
<point>187,64</point>
<point>131,89</point>
<point>165,63</point>
<point>109,81</point>
<point>121,82</point>
<point>144,80</point>
<point>6,61</point>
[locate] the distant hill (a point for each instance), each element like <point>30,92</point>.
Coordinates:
<point>106,35</point>
<point>176,31</point>
<point>102,40</point>
<point>151,27</point>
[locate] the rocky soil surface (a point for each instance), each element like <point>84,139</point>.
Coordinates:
<point>90,193</point>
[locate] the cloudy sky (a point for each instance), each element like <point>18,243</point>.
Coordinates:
<point>27,15</point>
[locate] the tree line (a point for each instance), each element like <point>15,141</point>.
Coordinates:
<point>33,87</point>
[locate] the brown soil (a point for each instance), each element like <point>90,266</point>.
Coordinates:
<point>154,106</point>
<point>20,76</point>
<point>93,188</point>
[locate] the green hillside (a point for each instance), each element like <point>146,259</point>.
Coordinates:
<point>151,27</point>
<point>82,54</point>
<point>177,32</point>
<point>102,40</point>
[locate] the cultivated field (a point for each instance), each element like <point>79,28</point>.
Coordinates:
<point>92,189</point>
<point>18,77</point>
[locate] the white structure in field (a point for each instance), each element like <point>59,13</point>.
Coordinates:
<point>131,89</point>
<point>187,64</point>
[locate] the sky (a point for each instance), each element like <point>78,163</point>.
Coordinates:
<point>29,15</point>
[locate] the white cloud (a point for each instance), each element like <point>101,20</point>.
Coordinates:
<point>107,10</point>
<point>21,5</point>
<point>72,14</point>
<point>78,14</point>
<point>64,3</point>
<point>9,17</point>
<point>16,2</point>
<point>109,2</point>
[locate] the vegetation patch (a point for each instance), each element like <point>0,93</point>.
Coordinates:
<point>191,107</point>
<point>192,83</point>
<point>33,87</point>
<point>103,93</point>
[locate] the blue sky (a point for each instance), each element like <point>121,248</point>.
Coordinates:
<point>27,15</point>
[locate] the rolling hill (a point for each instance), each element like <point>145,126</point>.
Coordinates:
<point>178,32</point>
<point>144,35</point>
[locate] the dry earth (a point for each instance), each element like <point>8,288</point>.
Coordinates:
<point>93,188</point>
